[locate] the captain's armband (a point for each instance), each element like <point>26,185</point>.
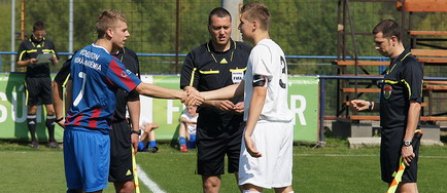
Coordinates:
<point>259,80</point>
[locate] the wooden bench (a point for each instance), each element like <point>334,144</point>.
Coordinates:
<point>429,52</point>
<point>422,5</point>
<point>427,33</point>
<point>435,85</point>
<point>361,90</point>
<point>377,118</point>
<point>430,56</point>
<point>361,63</point>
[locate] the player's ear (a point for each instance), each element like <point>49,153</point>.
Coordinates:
<point>254,24</point>
<point>109,33</point>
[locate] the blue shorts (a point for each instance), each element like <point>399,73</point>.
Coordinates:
<point>86,158</point>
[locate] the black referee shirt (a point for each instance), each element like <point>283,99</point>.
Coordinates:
<point>130,60</point>
<point>31,48</point>
<point>206,69</point>
<point>402,84</point>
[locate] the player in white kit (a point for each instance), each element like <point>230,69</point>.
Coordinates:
<point>266,152</point>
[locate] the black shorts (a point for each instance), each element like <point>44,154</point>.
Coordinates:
<point>121,153</point>
<point>390,153</point>
<point>38,90</point>
<point>213,148</point>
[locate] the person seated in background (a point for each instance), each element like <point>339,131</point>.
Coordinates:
<point>147,138</point>
<point>188,127</point>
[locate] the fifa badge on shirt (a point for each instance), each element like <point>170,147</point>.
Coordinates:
<point>387,90</point>
<point>237,76</point>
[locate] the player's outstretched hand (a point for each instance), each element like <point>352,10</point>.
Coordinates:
<point>359,105</point>
<point>251,147</point>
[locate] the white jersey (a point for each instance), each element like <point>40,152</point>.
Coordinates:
<point>192,128</point>
<point>268,59</point>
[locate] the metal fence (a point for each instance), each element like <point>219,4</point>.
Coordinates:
<point>306,29</point>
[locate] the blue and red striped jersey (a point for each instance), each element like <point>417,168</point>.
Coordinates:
<point>96,76</point>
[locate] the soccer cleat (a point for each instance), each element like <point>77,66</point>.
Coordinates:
<point>53,144</point>
<point>153,149</point>
<point>183,148</point>
<point>34,145</point>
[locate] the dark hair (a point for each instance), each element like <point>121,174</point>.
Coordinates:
<point>219,12</point>
<point>39,25</point>
<point>389,28</point>
<point>259,11</point>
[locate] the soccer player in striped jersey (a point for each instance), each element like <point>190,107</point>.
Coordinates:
<point>96,75</point>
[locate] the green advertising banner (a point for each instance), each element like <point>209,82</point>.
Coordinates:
<point>13,110</point>
<point>303,101</point>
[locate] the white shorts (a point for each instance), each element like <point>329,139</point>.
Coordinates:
<point>274,169</point>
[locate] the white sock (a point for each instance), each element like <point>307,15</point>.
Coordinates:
<point>251,191</point>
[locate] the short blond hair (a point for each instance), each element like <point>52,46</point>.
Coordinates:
<point>259,11</point>
<point>108,19</point>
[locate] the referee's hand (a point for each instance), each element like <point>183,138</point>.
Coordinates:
<point>407,154</point>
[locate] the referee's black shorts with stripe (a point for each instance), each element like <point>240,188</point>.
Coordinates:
<point>121,152</point>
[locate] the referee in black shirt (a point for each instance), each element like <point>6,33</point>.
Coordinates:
<point>213,65</point>
<point>37,80</point>
<point>400,105</point>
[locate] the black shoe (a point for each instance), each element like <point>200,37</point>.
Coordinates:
<point>53,144</point>
<point>34,145</point>
<point>153,149</point>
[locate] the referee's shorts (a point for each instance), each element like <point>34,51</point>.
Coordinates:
<point>212,146</point>
<point>121,152</point>
<point>390,153</point>
<point>38,88</point>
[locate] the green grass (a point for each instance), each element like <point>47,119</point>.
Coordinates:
<point>332,169</point>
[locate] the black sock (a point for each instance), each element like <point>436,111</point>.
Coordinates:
<point>50,125</point>
<point>32,121</point>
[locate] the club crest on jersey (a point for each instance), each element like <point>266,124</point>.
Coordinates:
<point>125,73</point>
<point>387,91</point>
<point>237,77</point>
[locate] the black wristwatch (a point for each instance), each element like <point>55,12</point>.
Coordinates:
<point>138,132</point>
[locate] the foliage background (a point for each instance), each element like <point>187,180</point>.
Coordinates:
<point>305,29</point>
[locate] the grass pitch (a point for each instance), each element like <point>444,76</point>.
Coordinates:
<point>332,169</point>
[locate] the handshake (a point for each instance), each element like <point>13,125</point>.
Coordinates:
<point>192,97</point>
<point>216,98</point>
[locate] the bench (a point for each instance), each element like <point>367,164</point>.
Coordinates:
<point>361,63</point>
<point>429,52</point>
<point>427,33</point>
<point>361,90</point>
<point>377,118</point>
<point>422,5</point>
<point>430,56</point>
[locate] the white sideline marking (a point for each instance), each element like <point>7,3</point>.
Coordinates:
<point>148,182</point>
